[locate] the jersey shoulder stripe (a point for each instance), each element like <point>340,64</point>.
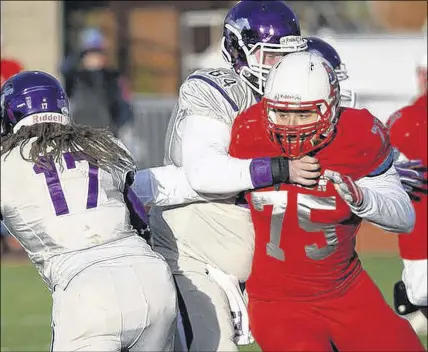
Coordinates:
<point>218,88</point>
<point>385,166</point>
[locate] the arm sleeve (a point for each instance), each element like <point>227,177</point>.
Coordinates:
<point>164,186</point>
<point>386,204</point>
<point>208,166</point>
<point>415,279</point>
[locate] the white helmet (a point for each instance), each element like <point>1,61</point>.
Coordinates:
<point>302,81</point>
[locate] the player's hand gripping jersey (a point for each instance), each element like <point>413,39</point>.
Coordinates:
<point>305,238</point>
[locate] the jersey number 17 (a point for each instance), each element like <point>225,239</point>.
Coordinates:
<point>54,184</point>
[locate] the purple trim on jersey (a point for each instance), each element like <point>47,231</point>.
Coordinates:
<point>385,166</point>
<point>261,173</point>
<point>54,185</point>
<point>220,89</point>
<point>70,161</point>
<point>92,187</point>
<point>137,206</point>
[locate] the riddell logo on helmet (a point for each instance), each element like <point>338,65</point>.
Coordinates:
<point>291,39</point>
<point>48,117</point>
<point>282,96</point>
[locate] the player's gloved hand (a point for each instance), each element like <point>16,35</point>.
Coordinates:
<point>413,177</point>
<point>346,187</point>
<point>270,171</point>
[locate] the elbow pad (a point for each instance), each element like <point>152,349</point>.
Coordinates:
<point>266,172</point>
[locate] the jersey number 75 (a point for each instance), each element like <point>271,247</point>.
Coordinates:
<point>305,204</point>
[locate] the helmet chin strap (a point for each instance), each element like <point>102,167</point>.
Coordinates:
<point>45,117</point>
<point>249,77</point>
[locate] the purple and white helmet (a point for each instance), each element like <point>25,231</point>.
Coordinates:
<point>32,97</point>
<point>256,35</point>
<point>324,49</point>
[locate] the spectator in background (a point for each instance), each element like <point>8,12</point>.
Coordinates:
<point>98,93</point>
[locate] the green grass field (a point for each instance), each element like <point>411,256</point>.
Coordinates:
<point>26,303</point>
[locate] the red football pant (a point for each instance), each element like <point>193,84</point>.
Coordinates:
<point>358,320</point>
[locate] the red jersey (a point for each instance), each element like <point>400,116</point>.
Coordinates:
<point>408,132</point>
<point>305,238</point>
<point>8,69</point>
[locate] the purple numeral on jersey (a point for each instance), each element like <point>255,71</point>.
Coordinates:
<point>70,160</point>
<point>54,184</point>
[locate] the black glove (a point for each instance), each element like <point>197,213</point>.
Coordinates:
<point>402,304</point>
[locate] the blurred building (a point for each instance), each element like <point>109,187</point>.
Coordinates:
<point>32,33</point>
<point>145,39</point>
<point>155,44</point>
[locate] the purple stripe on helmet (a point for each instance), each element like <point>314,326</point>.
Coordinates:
<point>220,89</point>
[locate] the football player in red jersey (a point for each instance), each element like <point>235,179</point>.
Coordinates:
<point>307,289</point>
<point>408,133</point>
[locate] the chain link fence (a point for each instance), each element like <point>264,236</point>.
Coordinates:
<point>145,138</point>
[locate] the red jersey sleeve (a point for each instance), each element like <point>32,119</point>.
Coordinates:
<point>361,145</point>
<point>408,131</point>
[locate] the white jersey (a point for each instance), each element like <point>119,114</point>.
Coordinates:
<point>197,144</point>
<point>58,214</point>
<point>219,94</point>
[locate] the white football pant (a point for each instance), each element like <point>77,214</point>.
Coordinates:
<point>128,303</point>
<point>190,237</point>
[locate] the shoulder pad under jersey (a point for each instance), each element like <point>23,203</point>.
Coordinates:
<point>218,93</point>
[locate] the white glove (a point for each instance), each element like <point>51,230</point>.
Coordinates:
<point>346,188</point>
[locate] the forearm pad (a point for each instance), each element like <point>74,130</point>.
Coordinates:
<point>266,172</point>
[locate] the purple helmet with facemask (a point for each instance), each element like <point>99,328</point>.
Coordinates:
<point>32,97</point>
<point>324,49</point>
<point>255,35</point>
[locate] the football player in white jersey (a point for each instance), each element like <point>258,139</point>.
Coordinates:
<point>197,237</point>
<point>65,197</point>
